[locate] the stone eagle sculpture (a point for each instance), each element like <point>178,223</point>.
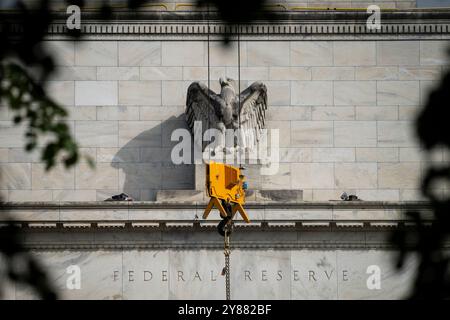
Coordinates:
<point>222,111</point>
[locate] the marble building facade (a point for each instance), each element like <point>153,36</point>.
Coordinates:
<point>162,250</point>
<point>344,99</point>
<point>344,104</point>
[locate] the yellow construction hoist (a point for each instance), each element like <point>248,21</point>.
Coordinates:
<point>226,185</point>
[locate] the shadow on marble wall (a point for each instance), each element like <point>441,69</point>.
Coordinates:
<point>145,163</point>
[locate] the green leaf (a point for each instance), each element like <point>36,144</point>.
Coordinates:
<point>43,115</point>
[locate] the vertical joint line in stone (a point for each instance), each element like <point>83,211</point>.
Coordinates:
<point>337,276</point>
<point>122,278</point>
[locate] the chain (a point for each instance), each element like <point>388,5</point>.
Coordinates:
<point>227,253</point>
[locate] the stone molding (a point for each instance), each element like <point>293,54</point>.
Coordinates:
<point>201,239</point>
<point>196,204</point>
<point>251,245</point>
<point>162,226</point>
<point>300,215</point>
<point>308,25</point>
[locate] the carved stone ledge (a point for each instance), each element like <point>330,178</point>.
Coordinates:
<point>172,217</point>
<point>218,246</point>
<point>333,243</point>
<point>304,16</point>
<point>303,25</point>
<point>157,225</point>
<point>37,205</point>
<point>279,31</point>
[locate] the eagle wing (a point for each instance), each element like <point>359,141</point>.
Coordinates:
<point>253,112</point>
<point>202,104</point>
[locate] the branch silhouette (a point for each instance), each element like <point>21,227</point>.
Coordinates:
<point>25,65</point>
<point>428,241</point>
<point>24,94</point>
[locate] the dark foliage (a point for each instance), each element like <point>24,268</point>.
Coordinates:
<point>29,103</point>
<point>20,267</point>
<point>237,12</point>
<point>25,65</point>
<point>428,241</point>
<point>25,95</point>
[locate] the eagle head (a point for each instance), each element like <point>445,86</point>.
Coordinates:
<point>229,96</point>
<point>225,82</point>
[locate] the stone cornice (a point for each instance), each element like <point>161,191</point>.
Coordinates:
<point>299,215</point>
<point>303,25</point>
<point>170,225</point>
<point>250,245</point>
<point>293,16</point>
<point>200,204</point>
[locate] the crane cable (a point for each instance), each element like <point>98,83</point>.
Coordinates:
<point>227,252</point>
<point>239,73</point>
<point>226,269</point>
<point>208,40</point>
<point>240,135</point>
<point>228,226</point>
<point>209,67</point>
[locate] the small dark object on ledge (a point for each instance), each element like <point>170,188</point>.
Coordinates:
<point>350,197</point>
<point>120,197</point>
